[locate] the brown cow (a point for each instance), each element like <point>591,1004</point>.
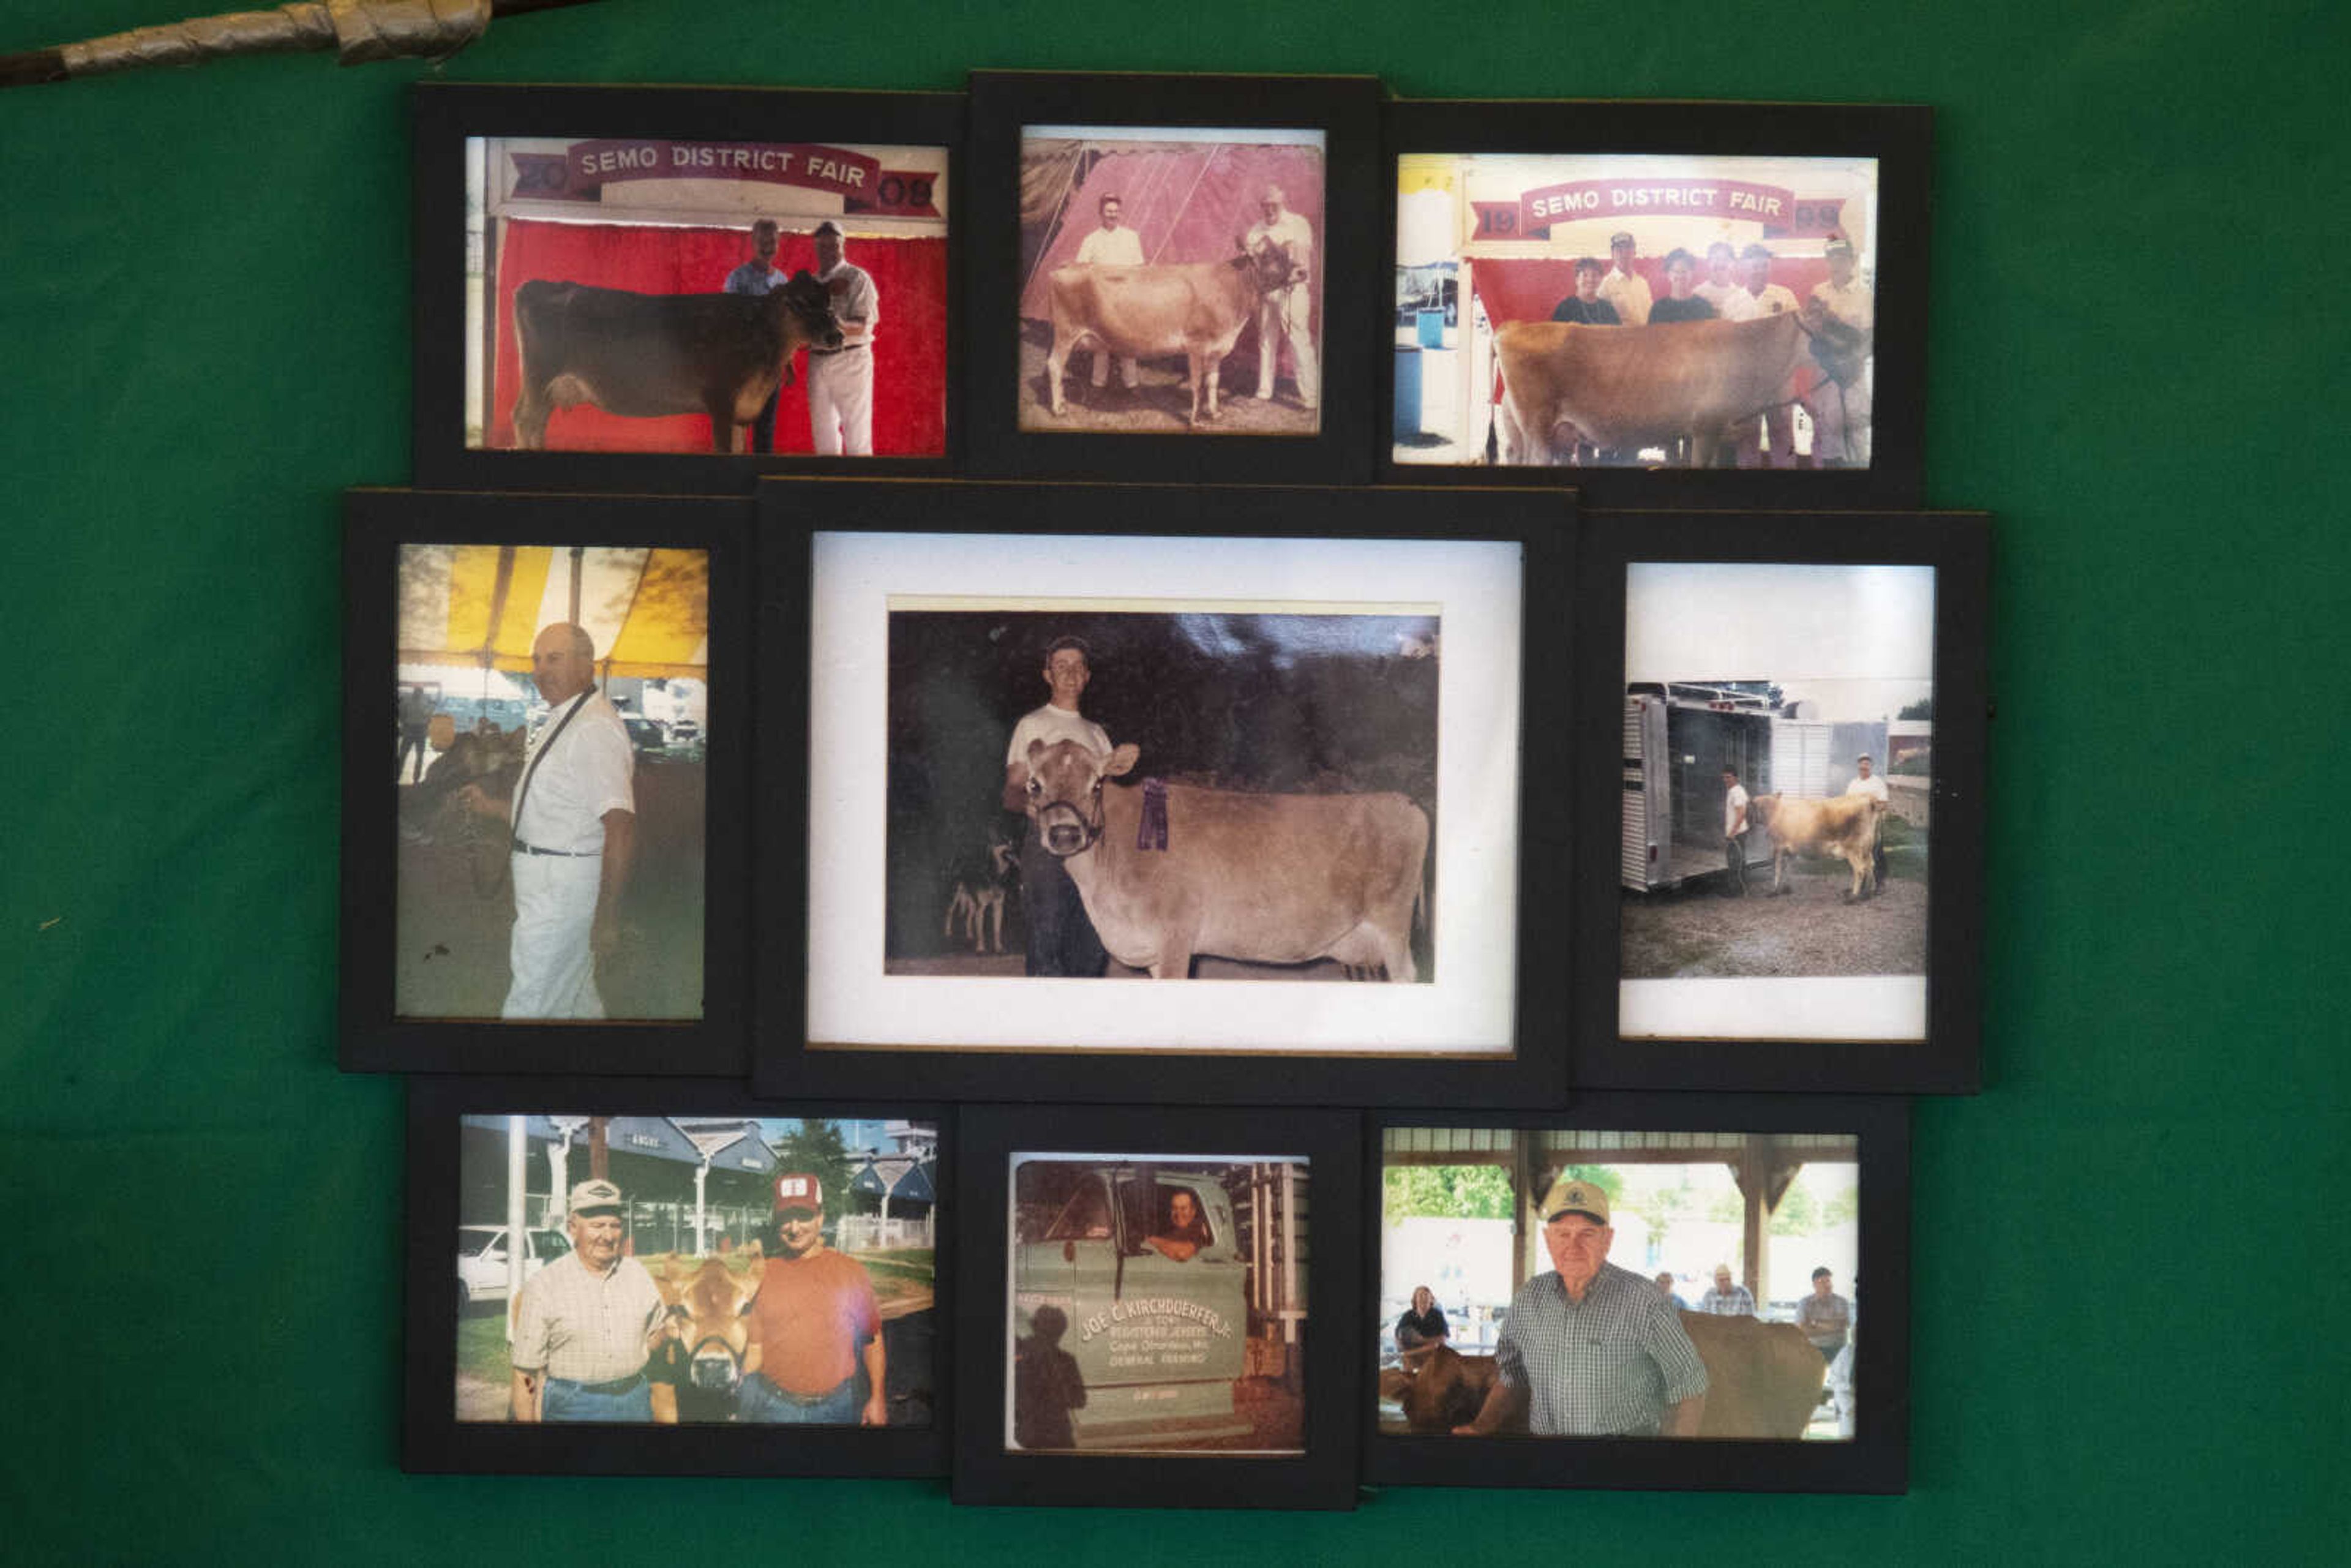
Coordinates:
<point>1272,878</point>
<point>1195,309</point>
<point>646,355</point>
<point>1843,826</point>
<point>707,1307</point>
<point>1634,386</point>
<point>1762,1380</point>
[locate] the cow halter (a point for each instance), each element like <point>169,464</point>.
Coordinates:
<point>1091,827</point>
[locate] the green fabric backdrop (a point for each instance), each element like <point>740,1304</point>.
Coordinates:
<point>2126,1248</point>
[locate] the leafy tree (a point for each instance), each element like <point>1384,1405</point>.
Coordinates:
<point>1798,1214</point>
<point>1923,708</point>
<point>1445,1192</point>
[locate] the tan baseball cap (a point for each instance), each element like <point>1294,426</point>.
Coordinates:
<point>1570,1194</point>
<point>595,1197</point>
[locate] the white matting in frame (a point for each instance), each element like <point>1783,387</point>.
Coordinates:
<point>1473,587</point>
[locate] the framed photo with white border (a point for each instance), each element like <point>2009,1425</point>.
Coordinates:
<point>1324,690</point>
<point>1780,772</point>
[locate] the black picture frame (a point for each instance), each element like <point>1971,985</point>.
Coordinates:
<point>374,1037</point>
<point>794,512</point>
<point>1876,1459</point>
<point>433,1441</point>
<point>1344,107</point>
<point>1900,137</point>
<point>1957,547</point>
<point>1323,1476</point>
<point>447,113</point>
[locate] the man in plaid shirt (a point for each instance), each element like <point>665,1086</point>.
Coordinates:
<point>1592,1348</point>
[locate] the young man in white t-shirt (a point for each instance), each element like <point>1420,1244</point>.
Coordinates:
<point>1734,834</point>
<point>1061,938</point>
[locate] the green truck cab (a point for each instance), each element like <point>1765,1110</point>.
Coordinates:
<point>1159,1341</point>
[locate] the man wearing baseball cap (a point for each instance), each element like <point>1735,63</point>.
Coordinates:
<point>1625,289</point>
<point>586,1323</point>
<point>841,380</point>
<point>810,1326</point>
<point>1590,1348</point>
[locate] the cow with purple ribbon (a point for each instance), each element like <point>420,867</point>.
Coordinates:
<point>1169,872</point>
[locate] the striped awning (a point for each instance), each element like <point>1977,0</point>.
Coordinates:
<point>647,610</point>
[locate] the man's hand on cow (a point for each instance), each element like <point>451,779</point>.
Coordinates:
<point>876,1412</point>
<point>480,804</point>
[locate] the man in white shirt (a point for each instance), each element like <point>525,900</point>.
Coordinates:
<point>572,819</point>
<point>1111,244</point>
<point>1734,834</point>
<point>585,1325</point>
<point>1844,406</point>
<point>1062,937</point>
<point>1779,423</point>
<point>841,380</point>
<point>1285,312</point>
<point>1722,288</point>
<point>757,278</point>
<point>1624,288</point>
<point>1866,782</point>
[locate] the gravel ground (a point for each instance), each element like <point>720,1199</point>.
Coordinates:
<point>1161,402</point>
<point>1811,931</point>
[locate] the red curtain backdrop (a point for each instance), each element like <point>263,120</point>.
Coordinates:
<point>910,369</point>
<point>1190,205</point>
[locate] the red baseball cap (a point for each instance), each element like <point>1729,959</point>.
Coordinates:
<point>800,1190</point>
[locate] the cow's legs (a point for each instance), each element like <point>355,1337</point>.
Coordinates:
<point>1056,358</point>
<point>1174,962</point>
<point>1779,853</point>
<point>1191,378</point>
<point>530,411</point>
<point>1215,365</point>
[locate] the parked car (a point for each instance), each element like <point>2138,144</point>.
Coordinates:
<point>482,1261</point>
<point>684,732</point>
<point>644,733</point>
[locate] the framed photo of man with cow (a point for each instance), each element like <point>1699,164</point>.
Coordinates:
<point>1277,745</point>
<point>532,888</point>
<point>1663,304</point>
<point>677,290</point>
<point>637,1276</point>
<point>1199,236</point>
<point>1161,1307</point>
<point>1649,1290</point>
<point>1782,738</point>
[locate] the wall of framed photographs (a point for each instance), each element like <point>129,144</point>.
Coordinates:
<point>179,1119</point>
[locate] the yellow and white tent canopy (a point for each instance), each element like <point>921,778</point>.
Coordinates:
<point>647,610</point>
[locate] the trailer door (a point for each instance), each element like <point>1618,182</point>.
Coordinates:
<point>1800,758</point>
<point>1647,805</point>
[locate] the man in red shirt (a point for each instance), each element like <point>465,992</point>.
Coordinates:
<point>812,1322</point>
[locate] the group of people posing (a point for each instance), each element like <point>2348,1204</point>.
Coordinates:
<point>1738,287</point>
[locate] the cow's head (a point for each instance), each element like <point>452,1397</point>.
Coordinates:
<point>1271,262</point>
<point>810,304</point>
<point>1065,786</point>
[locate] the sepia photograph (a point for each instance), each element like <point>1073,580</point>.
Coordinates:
<point>1171,279</point>
<point>1778,763</point>
<point>1635,310</point>
<point>1575,1283</point>
<point>695,1269</point>
<point>1158,1304</point>
<point>649,294</point>
<point>552,725</point>
<point>1048,761</point>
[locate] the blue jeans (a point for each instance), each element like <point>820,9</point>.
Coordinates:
<point>632,1399</point>
<point>1061,939</point>
<point>762,1400</point>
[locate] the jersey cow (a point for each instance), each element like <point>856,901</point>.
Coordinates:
<point>1762,1380</point>
<point>1271,879</point>
<point>1843,826</point>
<point>647,355</point>
<point>696,1370</point>
<point>1195,308</point>
<point>1634,386</point>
